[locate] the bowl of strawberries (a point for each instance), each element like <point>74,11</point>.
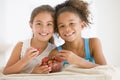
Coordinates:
<point>55,63</point>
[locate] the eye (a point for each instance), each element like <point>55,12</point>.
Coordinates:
<point>38,23</point>
<point>72,23</point>
<point>50,24</point>
<point>60,26</point>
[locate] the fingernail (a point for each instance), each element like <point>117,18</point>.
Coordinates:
<point>50,69</point>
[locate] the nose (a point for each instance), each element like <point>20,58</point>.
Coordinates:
<point>44,28</point>
<point>67,28</point>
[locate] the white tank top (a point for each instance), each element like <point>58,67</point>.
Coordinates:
<point>37,60</point>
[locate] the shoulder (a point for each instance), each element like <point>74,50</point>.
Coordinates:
<point>94,41</point>
<point>95,45</point>
<point>15,55</point>
<point>18,46</point>
<point>96,49</point>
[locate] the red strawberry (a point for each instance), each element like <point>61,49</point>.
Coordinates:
<point>50,65</point>
<point>38,49</point>
<point>50,61</point>
<point>43,64</point>
<point>55,63</point>
<point>56,67</point>
<point>45,59</point>
<point>57,59</point>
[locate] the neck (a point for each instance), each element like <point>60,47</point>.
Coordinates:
<point>39,44</point>
<point>77,44</point>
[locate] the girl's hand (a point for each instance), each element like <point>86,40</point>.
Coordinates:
<point>69,56</point>
<point>41,69</point>
<point>30,54</point>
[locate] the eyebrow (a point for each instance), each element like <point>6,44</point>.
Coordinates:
<point>41,21</point>
<point>69,20</point>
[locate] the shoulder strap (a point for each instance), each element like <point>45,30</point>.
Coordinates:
<point>59,48</point>
<point>26,44</point>
<point>87,49</point>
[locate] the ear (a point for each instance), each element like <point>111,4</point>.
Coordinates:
<point>30,25</point>
<point>82,24</point>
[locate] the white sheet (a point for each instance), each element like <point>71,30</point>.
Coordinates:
<point>71,73</point>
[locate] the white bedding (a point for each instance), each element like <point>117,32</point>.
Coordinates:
<point>71,73</point>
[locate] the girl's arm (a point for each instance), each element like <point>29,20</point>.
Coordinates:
<point>72,58</point>
<point>15,64</point>
<point>96,50</point>
<point>97,54</point>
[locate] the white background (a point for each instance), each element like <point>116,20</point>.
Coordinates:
<point>14,23</point>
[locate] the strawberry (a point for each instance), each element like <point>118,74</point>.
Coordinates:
<point>50,65</point>
<point>57,59</point>
<point>45,59</point>
<point>55,63</point>
<point>38,49</point>
<point>43,64</point>
<point>50,61</point>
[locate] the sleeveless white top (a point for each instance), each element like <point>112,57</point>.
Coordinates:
<point>37,60</point>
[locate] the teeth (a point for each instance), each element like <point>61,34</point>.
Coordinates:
<point>43,34</point>
<point>69,34</point>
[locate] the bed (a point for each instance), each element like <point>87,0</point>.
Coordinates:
<point>71,72</point>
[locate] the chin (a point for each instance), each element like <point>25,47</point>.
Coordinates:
<point>69,39</point>
<point>44,40</point>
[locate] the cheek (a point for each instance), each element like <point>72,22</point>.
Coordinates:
<point>51,29</point>
<point>60,32</point>
<point>34,29</point>
<point>37,30</point>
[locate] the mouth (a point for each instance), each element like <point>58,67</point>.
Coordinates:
<point>43,34</point>
<point>69,34</point>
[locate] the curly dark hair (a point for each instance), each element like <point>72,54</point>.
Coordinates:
<point>78,7</point>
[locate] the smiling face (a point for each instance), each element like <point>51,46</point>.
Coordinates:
<point>43,26</point>
<point>69,26</point>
